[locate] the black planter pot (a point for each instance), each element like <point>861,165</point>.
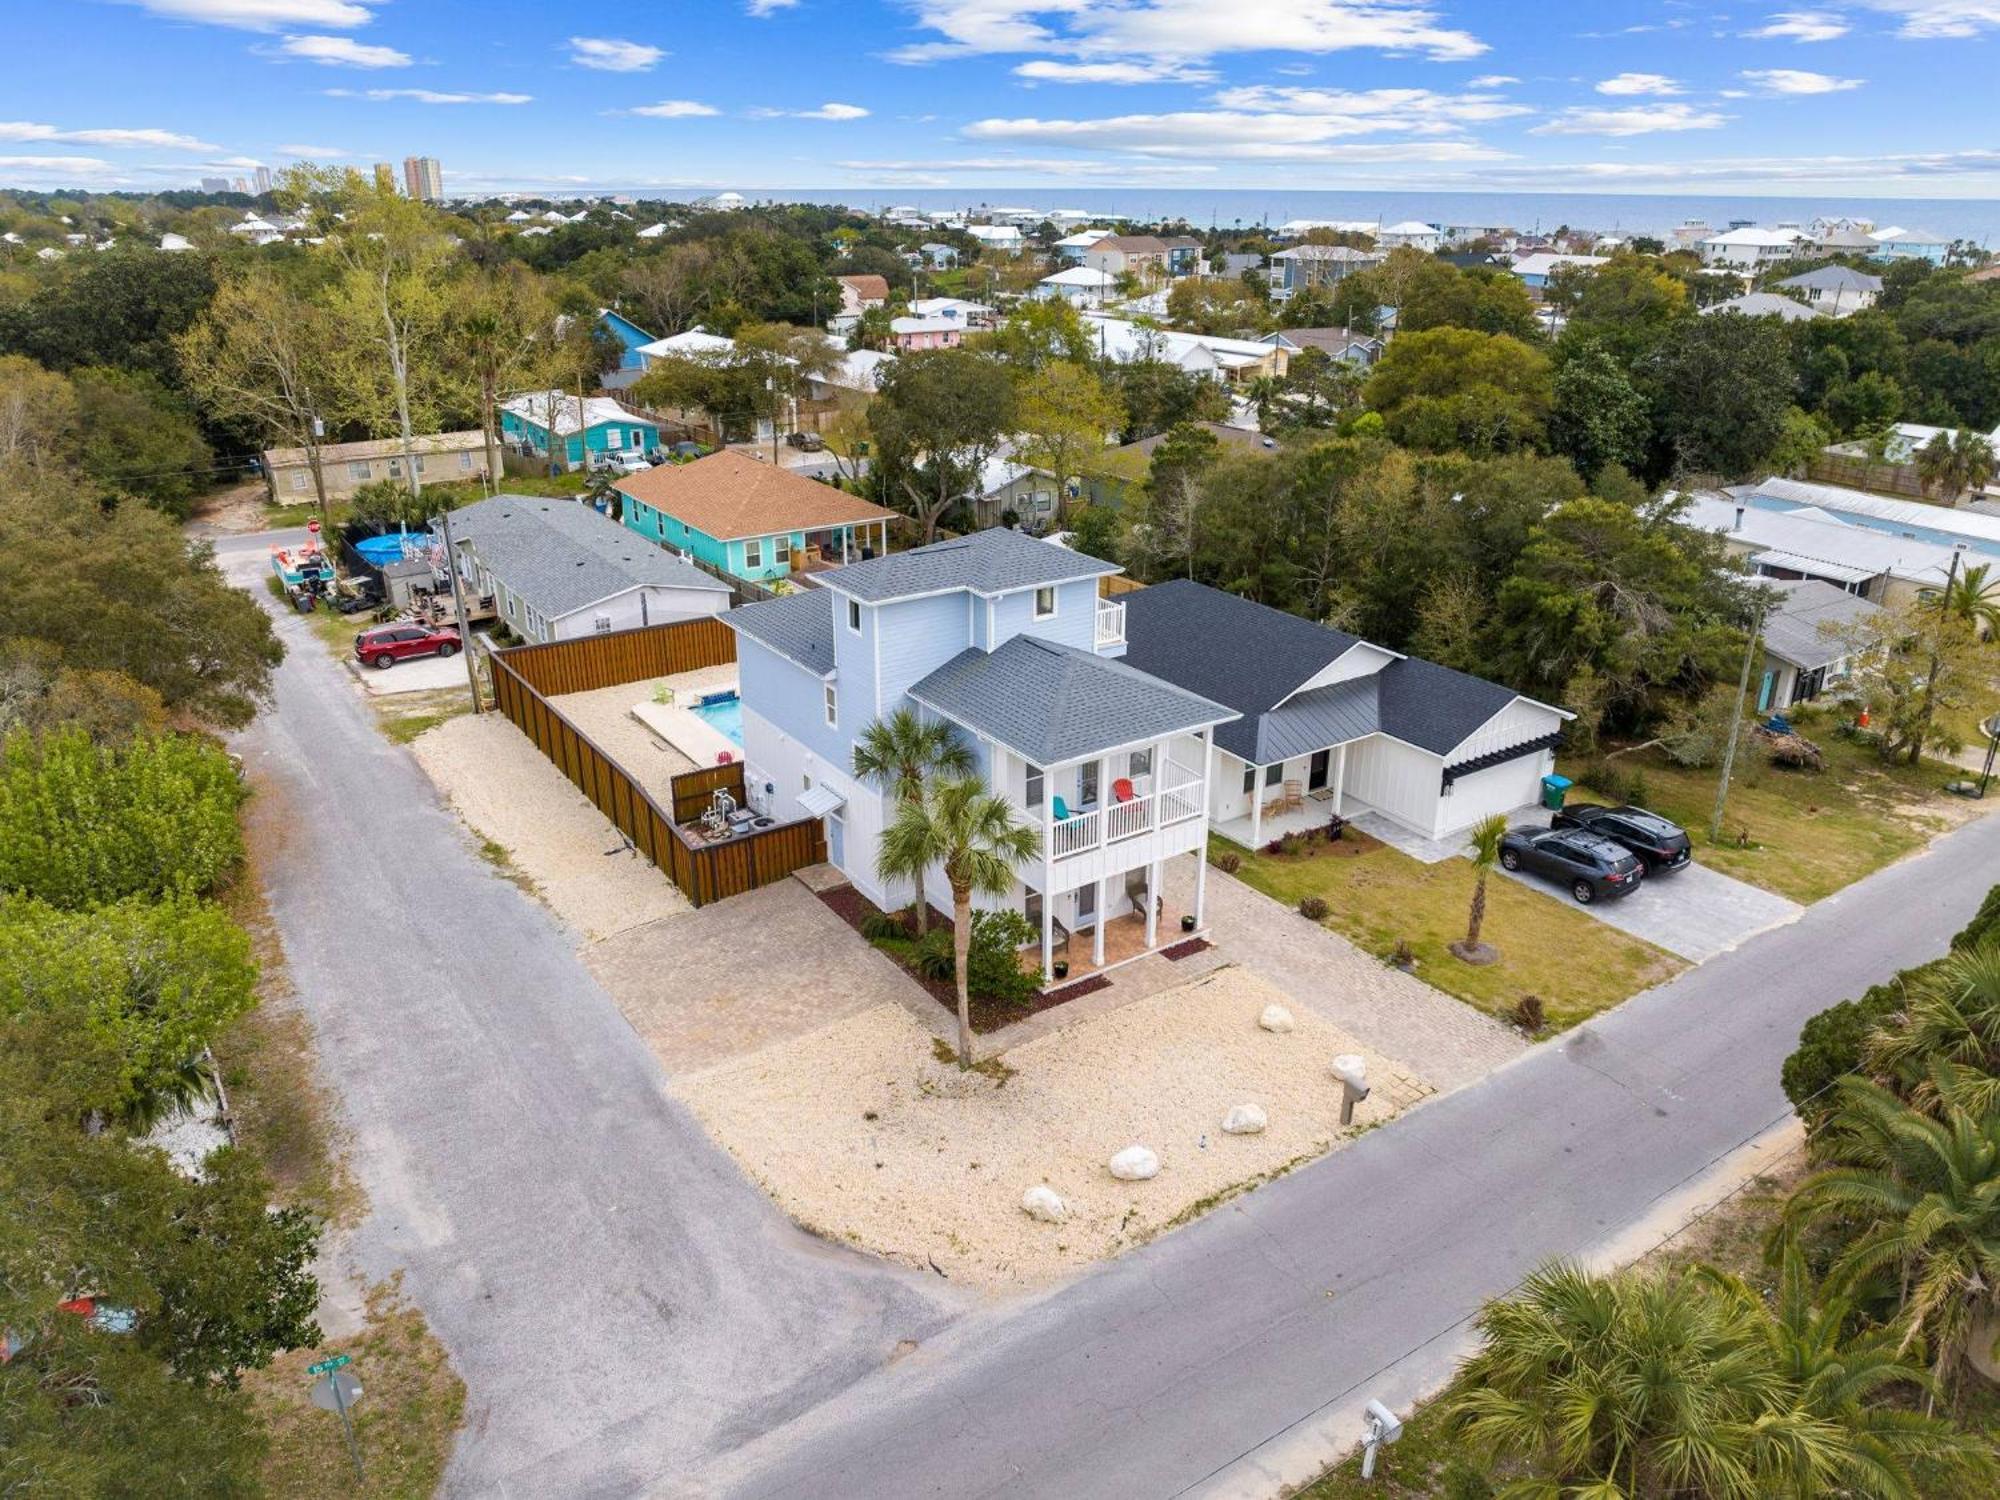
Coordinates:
<point>1187,924</point>
<point>1060,968</point>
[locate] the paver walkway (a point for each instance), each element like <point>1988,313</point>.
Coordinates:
<point>1695,912</point>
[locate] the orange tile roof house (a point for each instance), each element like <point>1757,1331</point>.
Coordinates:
<point>858,293</point>
<point>750,519</point>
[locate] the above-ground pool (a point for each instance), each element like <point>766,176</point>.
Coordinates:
<point>722,712</point>
<point>383,550</point>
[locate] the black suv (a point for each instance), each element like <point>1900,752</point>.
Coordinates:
<point>1663,845</point>
<point>1590,865</point>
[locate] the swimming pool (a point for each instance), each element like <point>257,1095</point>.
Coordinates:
<point>722,712</point>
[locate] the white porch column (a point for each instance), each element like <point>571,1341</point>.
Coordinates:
<point>846,545</point>
<point>1048,931</point>
<point>1256,806</point>
<point>1153,884</point>
<point>1200,889</point>
<point>1207,771</point>
<point>1097,933</point>
<point>1103,800</point>
<point>1339,777</point>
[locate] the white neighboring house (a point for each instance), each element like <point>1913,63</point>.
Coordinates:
<point>1005,238</point>
<point>1804,653</point>
<point>519,216</point>
<point>696,343</point>
<point>1411,232</point>
<point>557,570</point>
<point>651,232</point>
<point>1071,246</point>
<point>175,242</point>
<point>1346,726</point>
<point>1764,305</point>
<point>1749,247</point>
<point>1809,542</point>
<point>257,231</point>
<point>1080,286</point>
<point>1835,290</point>
<point>972,314</point>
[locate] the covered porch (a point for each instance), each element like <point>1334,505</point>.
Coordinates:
<point>1129,915</point>
<point>837,546</point>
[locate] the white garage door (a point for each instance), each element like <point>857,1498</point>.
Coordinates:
<point>1497,789</point>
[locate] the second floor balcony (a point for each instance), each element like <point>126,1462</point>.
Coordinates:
<point>1142,804</point>
<point>1110,623</point>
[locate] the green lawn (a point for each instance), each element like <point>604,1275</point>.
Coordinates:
<point>1377,898</point>
<point>1801,834</point>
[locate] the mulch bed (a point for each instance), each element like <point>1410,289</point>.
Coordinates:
<point>988,1016</point>
<point>1352,844</point>
<point>1188,949</point>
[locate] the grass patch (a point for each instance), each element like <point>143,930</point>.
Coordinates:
<point>405,716</point>
<point>404,1424</point>
<point>991,1067</point>
<point>1381,897</point>
<point>1803,834</point>
<point>496,854</point>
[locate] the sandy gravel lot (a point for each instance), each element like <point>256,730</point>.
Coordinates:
<point>605,714</point>
<point>503,787</point>
<point>863,1135</point>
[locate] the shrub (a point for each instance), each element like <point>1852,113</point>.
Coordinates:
<point>1984,927</point>
<point>1830,1045</point>
<point>934,958</point>
<point>1291,843</point>
<point>1229,863</point>
<point>1529,1014</point>
<point>994,963</point>
<point>82,824</point>
<point>883,926</point>
<point>1313,908</point>
<point>1636,791</point>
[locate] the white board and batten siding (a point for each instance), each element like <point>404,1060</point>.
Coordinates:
<point>1397,780</point>
<point>1507,786</point>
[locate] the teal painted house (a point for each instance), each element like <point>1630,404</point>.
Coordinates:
<point>592,426</point>
<point>750,519</point>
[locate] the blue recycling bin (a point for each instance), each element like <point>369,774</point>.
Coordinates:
<point>1553,790</point>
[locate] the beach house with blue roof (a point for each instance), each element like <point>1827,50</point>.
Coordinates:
<point>631,338</point>
<point>1005,638</point>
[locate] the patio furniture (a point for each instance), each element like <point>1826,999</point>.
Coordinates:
<point>1122,789</point>
<point>1294,799</point>
<point>1061,809</point>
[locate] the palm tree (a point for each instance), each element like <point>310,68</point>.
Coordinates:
<point>1975,460</point>
<point>1936,464</point>
<point>1264,393</point>
<point>899,753</point>
<point>1919,1199</point>
<point>1953,1013</point>
<point>1483,843</point>
<point>1972,598</point>
<point>963,827</point>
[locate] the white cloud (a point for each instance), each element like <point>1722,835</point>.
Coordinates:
<point>158,140</point>
<point>824,112</point>
<point>1803,26</point>
<point>674,109</point>
<point>1491,81</point>
<point>1645,119</point>
<point>342,52</point>
<point>54,167</point>
<point>940,173</point>
<point>261,15</point>
<point>1043,70</point>
<point>1927,19</point>
<point>1796,81</point>
<point>1182,30</point>
<point>611,55</point>
<point>314,153</point>
<point>428,96</point>
<point>1640,83</point>
<point>763,8</point>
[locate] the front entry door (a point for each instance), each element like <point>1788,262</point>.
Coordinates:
<point>1317,771</point>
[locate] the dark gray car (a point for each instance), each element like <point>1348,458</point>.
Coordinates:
<point>1588,863</point>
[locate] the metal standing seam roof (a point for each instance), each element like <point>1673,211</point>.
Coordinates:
<point>1254,658</point>
<point>799,627</point>
<point>559,555</point>
<point>997,561</point>
<point>1052,703</point>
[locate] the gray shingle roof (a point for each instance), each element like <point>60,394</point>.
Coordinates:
<point>987,562</point>
<point>559,555</point>
<point>1792,629</point>
<point>799,627</point>
<point>1052,703</point>
<point>1835,278</point>
<point>1253,658</point>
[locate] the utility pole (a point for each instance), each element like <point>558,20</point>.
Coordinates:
<point>458,607</point>
<point>1937,650</point>
<point>1736,723</point>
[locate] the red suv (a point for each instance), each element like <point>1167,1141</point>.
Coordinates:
<point>386,645</point>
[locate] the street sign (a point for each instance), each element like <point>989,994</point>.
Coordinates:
<point>312,527</point>
<point>328,1366</point>
<point>337,1392</point>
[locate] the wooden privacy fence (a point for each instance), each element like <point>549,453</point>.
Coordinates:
<point>704,871</point>
<point>615,656</point>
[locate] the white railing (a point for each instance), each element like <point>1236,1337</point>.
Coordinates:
<point>1110,622</point>
<point>1178,793</point>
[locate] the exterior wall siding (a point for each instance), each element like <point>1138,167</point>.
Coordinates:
<point>789,698</point>
<point>1519,721</point>
<point>637,607</point>
<point>1397,780</point>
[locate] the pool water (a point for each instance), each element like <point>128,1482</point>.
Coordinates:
<point>722,712</point>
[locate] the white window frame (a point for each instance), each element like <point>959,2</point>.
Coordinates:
<point>614,439</point>
<point>298,481</point>
<point>1034,785</point>
<point>360,468</point>
<point>753,552</point>
<point>832,706</point>
<point>1050,612</point>
<point>465,463</point>
<point>854,615</point>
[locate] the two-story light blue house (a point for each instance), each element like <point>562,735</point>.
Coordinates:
<point>590,427</point>
<point>1005,638</point>
<point>631,338</point>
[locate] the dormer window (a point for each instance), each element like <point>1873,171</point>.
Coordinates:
<point>1045,603</point>
<point>854,615</point>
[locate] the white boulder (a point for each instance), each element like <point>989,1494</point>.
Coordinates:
<point>1044,1203</point>
<point>1276,1018</point>
<point>1135,1164</point>
<point>1245,1119</point>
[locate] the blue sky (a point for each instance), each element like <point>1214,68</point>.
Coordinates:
<point>1873,97</point>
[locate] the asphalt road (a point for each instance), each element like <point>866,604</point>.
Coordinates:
<point>632,1317</point>
<point>620,1300</point>
<point>1201,1363</point>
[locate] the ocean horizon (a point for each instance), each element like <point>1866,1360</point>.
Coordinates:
<point>1976,219</point>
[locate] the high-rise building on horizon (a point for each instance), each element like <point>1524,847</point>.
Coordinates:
<point>385,177</point>
<point>262,179</point>
<point>240,185</point>
<point>215,184</point>
<point>423,178</point>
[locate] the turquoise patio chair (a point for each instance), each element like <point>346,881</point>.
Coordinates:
<point>1061,810</point>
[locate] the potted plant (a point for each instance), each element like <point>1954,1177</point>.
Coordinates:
<point>1060,968</point>
<point>1187,922</point>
